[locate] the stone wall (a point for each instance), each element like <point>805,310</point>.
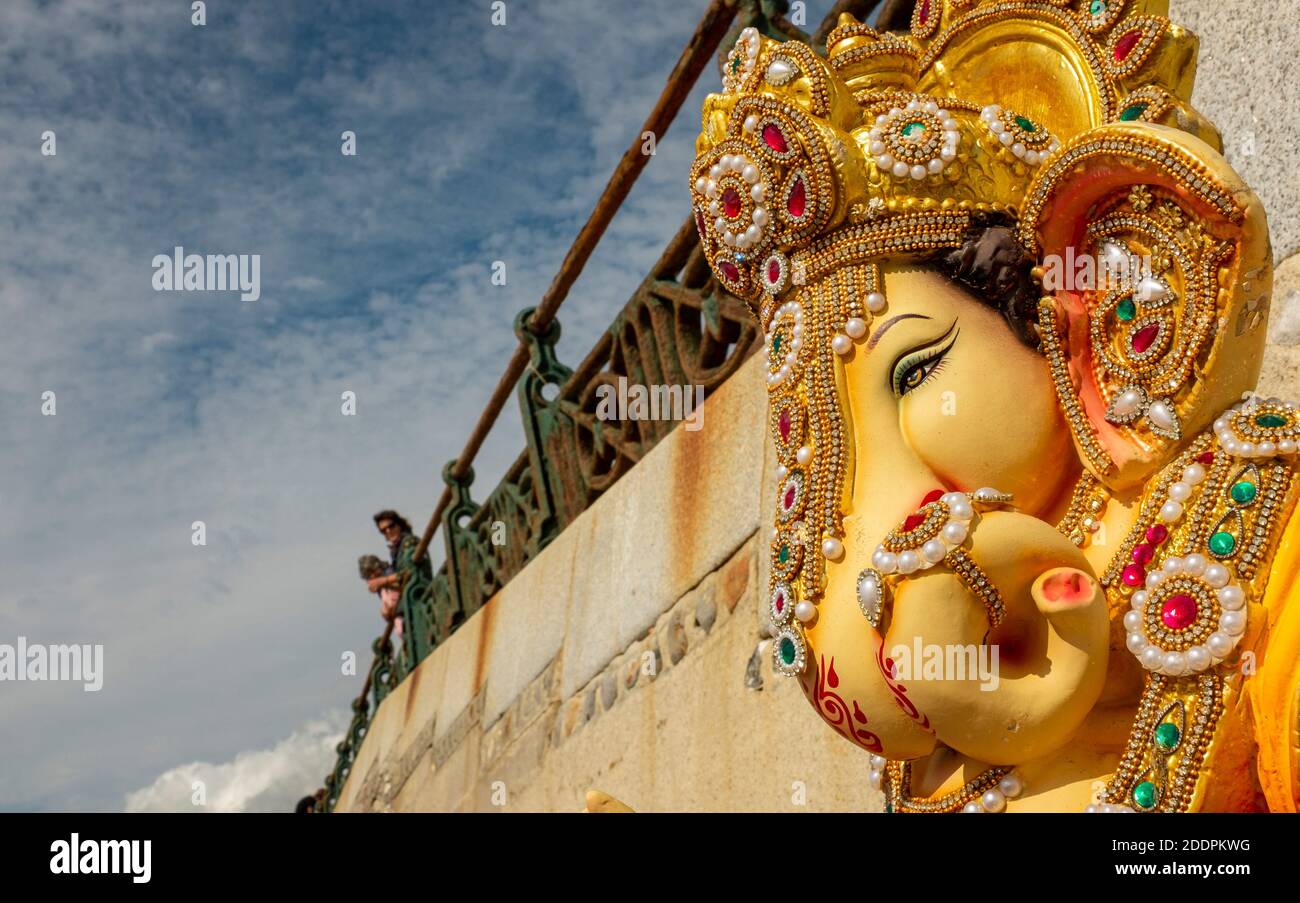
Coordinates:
<point>624,657</point>
<point>1246,85</point>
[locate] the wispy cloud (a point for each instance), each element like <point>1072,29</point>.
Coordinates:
<point>474,144</point>
<point>306,283</point>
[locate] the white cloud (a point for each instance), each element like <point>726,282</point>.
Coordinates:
<point>156,340</point>
<point>260,780</point>
<point>306,283</point>
<point>181,407</point>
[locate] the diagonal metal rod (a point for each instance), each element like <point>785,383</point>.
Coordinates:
<point>895,15</point>
<point>696,55</point>
<point>708,36</point>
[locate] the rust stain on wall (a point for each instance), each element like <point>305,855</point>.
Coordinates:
<point>690,467</point>
<point>412,687</point>
<point>487,616</point>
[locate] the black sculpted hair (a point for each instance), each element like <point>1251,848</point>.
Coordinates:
<point>994,267</point>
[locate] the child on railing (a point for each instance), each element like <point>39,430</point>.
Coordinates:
<point>372,568</point>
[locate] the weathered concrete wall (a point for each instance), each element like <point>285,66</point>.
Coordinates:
<point>1247,85</point>
<point>623,657</point>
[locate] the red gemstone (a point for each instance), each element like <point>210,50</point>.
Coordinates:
<point>798,199</point>
<point>729,270</point>
<point>1134,575</point>
<point>1157,533</point>
<point>774,271</point>
<point>1124,46</point>
<point>1142,554</point>
<point>699,223</point>
<point>913,521</point>
<point>789,498</point>
<point>774,138</point>
<point>1144,337</point>
<point>1178,611</point>
<point>784,424</point>
<point>1205,459</point>
<point>780,602</point>
<point>932,496</point>
<point>924,15</point>
<point>731,203</point>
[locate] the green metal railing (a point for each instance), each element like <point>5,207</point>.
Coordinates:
<point>679,328</point>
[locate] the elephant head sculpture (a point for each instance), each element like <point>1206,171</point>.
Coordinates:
<point>1027,514</point>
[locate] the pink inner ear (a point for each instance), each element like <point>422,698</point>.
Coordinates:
<point>1068,586</point>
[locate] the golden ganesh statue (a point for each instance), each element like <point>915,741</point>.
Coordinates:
<point>1015,302</point>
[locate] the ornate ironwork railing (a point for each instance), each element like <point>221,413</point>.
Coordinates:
<point>379,681</point>
<point>680,328</point>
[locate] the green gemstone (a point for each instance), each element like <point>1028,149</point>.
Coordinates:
<point>787,650</point>
<point>776,344</point>
<point>1144,795</point>
<point>735,64</point>
<point>1097,7</point>
<point>1026,124</point>
<point>1243,493</point>
<point>1167,735</point>
<point>1222,543</point>
<point>783,554</point>
<point>1270,420</point>
<point>914,130</point>
<point>1126,309</point>
<point>1131,113</point>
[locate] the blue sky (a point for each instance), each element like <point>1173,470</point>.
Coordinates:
<point>475,143</point>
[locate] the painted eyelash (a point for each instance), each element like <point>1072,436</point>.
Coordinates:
<point>917,359</point>
<point>931,373</point>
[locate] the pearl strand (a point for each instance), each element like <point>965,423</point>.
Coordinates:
<point>1245,448</point>
<point>993,800</point>
<point>782,373</point>
<point>856,327</point>
<point>951,535</point>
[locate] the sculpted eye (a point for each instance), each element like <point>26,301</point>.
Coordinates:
<point>912,370</point>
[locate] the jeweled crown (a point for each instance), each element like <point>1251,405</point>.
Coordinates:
<point>959,116</point>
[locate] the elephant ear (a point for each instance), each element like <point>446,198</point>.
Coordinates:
<point>1156,272</point>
